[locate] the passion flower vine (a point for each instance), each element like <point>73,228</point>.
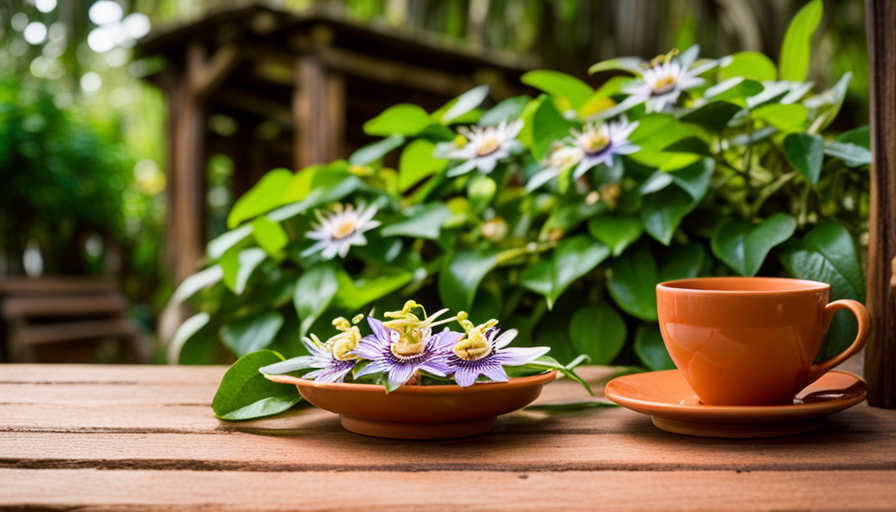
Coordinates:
<point>334,359</point>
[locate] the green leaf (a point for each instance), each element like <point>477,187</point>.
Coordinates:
<point>549,363</point>
<point>713,115</point>
<point>787,118</point>
<point>664,206</point>
<point>833,98</point>
<point>184,333</point>
<point>313,294</point>
<point>629,64</point>
<point>548,126</point>
<point>650,348</point>
<point>460,277</point>
<point>851,154</point>
<point>752,65</point>
<point>511,108</point>
<point>617,231</point>
<point>599,332</point>
<point>694,145</point>
<point>694,179</point>
<point>266,195</point>
<point>804,152</point>
<point>221,244</point>
<point>571,406</point>
<point>860,136</point>
<point>329,187</point>
<point>424,221</point>
<point>743,245</point>
<point>797,46</point>
<point>374,151</point>
<point>834,242</point>
<point>632,283</point>
<point>734,88</point>
<point>464,104</point>
<point>354,295</point>
<point>572,259</point>
<point>683,262</point>
<point>202,279</point>
<point>244,393</point>
<point>555,83</point>
<point>828,254</point>
<point>252,332</point>
<point>417,163</point>
<point>403,119</point>
<point>238,267</point>
<point>270,236</point>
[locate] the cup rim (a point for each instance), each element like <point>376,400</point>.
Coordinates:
<point>687,286</point>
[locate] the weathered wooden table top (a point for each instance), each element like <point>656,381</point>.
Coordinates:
<point>112,437</point>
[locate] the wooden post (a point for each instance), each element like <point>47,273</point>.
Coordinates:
<point>880,354</point>
<point>318,112</point>
<point>187,205</point>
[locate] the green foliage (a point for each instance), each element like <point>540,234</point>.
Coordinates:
<point>797,46</point>
<point>712,184</point>
<point>245,394</point>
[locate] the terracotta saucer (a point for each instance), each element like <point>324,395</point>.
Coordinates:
<point>421,412</point>
<point>675,408</point>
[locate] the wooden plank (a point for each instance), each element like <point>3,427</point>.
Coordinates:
<point>64,305</point>
<point>22,285</point>
<point>456,490</point>
<point>111,374</point>
<point>880,354</point>
<point>309,117</point>
<point>207,79</point>
<point>53,333</point>
<point>602,441</point>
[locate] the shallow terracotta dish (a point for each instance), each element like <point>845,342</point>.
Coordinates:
<point>421,412</point>
<point>675,408</point>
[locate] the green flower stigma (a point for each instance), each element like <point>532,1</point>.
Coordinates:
<point>410,332</point>
<point>342,344</point>
<point>474,345</point>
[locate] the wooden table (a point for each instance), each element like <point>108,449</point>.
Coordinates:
<point>112,437</point>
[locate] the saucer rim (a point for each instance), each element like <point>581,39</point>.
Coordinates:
<point>715,412</point>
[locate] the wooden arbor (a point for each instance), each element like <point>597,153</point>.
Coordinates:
<point>310,80</point>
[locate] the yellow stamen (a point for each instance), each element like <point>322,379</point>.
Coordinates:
<point>474,345</point>
<point>489,145</point>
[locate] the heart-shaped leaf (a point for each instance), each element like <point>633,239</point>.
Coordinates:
<point>616,231</point>
<point>662,212</point>
<point>555,83</point>
<point>805,154</point>
<point>250,333</point>
<point>743,245</point>
<point>632,282</point>
<point>244,393</point>
<point>374,151</point>
<point>460,277</point>
<point>650,348</point>
<point>404,119</point>
<point>572,259</point>
<point>827,254</point>
<point>313,294</point>
<point>511,108</point>
<point>683,262</point>
<point>599,332</point>
<point>753,65</point>
<point>266,195</point>
<point>463,104</point>
<point>423,222</point>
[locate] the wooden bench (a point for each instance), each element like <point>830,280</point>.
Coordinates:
<point>64,310</point>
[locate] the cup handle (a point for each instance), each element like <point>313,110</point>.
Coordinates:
<point>817,370</point>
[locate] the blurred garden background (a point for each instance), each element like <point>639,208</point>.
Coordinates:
<point>86,162</point>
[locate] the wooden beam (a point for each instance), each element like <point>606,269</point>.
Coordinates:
<point>255,104</point>
<point>208,76</point>
<point>335,115</point>
<point>880,354</point>
<point>392,72</point>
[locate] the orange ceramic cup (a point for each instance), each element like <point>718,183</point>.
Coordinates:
<point>751,340</point>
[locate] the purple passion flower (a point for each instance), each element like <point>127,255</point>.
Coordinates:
<point>403,346</point>
<point>483,351</point>
<point>334,359</point>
